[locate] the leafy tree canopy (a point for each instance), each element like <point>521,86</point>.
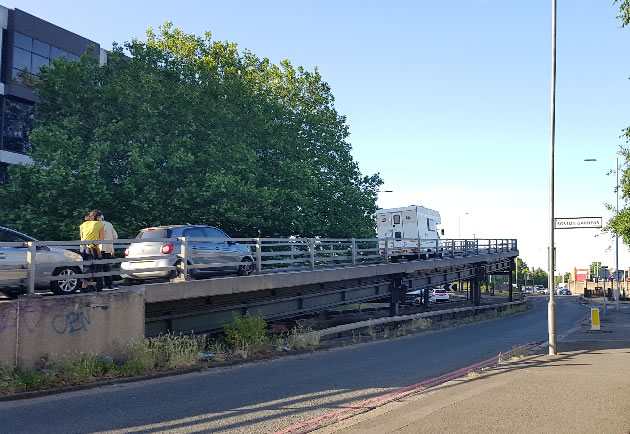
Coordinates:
<point>620,223</point>
<point>189,130</point>
<point>624,11</point>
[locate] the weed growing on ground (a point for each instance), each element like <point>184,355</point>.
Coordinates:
<point>81,368</point>
<point>385,332</point>
<point>421,324</point>
<point>246,333</point>
<point>473,374</point>
<point>371,330</point>
<point>402,329</point>
<point>302,337</point>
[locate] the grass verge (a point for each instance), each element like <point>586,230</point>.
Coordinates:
<point>244,336</point>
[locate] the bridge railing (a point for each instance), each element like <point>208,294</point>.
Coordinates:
<point>30,264</point>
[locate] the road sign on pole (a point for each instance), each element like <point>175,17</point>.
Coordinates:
<point>578,223</point>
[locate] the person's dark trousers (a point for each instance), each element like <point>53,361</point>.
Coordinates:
<point>109,282</point>
<point>89,255</point>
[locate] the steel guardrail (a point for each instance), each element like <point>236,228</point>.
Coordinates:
<point>268,254</point>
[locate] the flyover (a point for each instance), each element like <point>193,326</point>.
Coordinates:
<point>203,305</point>
<point>293,277</point>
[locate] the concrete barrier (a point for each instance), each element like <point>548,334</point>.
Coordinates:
<point>400,318</point>
<point>97,323</point>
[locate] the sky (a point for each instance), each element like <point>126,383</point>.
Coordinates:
<point>448,101</point>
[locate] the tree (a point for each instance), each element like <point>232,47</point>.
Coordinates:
<point>624,11</point>
<point>189,130</point>
<point>523,270</point>
<point>620,223</point>
<point>567,277</point>
<point>541,277</point>
<point>594,268</point>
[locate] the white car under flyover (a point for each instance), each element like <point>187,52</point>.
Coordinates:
<point>438,295</point>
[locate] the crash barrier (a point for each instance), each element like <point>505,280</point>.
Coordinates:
<point>34,328</point>
<point>267,254</point>
<point>598,292</point>
<point>441,314</point>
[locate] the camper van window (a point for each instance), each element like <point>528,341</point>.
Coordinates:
<point>396,219</point>
<point>428,226</point>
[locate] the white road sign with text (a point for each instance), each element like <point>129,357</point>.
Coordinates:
<point>578,222</point>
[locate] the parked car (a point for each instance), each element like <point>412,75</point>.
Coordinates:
<point>415,297</point>
<point>564,291</point>
<point>49,261</point>
<point>438,294</point>
<point>225,256</point>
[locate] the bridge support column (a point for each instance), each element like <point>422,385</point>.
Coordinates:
<point>398,293</point>
<point>476,292</point>
<point>512,267</point>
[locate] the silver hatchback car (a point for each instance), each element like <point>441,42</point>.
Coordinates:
<point>224,256</point>
<point>47,263</point>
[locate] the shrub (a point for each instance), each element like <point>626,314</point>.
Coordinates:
<point>164,352</point>
<point>246,332</point>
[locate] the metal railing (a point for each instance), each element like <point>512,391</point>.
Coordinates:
<point>266,255</point>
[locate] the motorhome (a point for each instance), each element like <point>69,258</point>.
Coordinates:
<point>410,232</point>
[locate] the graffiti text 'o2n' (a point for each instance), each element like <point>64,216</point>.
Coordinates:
<point>71,322</point>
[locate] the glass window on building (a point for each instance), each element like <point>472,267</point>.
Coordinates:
<point>21,59</point>
<point>41,48</point>
<point>18,122</point>
<point>38,62</point>
<point>29,55</point>
<point>56,53</point>
<point>23,41</point>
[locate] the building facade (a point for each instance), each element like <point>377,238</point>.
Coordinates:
<point>27,43</point>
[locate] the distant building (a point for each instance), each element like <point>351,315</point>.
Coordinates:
<point>27,43</point>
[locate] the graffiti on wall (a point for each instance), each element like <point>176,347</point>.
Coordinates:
<point>71,322</point>
<point>30,317</point>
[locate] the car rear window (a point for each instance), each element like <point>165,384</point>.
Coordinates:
<point>152,233</point>
<point>215,233</point>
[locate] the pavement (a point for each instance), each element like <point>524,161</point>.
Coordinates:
<point>584,388</point>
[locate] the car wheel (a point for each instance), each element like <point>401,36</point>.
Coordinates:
<point>66,286</point>
<point>246,268</point>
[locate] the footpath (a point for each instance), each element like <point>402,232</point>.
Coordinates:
<point>585,388</point>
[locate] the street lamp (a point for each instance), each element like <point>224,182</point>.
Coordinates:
<point>616,236</point>
<point>551,308</point>
<point>459,225</point>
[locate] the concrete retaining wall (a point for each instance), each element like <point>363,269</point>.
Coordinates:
<point>98,323</point>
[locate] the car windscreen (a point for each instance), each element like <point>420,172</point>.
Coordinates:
<point>152,233</point>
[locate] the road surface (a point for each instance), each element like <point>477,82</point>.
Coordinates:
<point>268,396</point>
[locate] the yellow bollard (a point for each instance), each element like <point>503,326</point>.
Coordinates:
<point>594,318</point>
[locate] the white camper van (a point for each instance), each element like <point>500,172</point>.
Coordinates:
<point>411,232</point>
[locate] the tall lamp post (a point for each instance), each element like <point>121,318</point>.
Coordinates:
<point>551,312</point>
<point>616,236</point>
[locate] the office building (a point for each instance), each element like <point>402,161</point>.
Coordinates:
<point>27,43</point>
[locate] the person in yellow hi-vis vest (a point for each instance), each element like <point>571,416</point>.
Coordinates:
<point>91,230</point>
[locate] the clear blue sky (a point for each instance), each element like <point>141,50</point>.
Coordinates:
<point>449,101</point>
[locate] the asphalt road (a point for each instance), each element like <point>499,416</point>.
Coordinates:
<point>268,396</point>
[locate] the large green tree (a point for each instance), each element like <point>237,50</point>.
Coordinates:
<point>520,273</point>
<point>189,130</point>
<point>620,223</point>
